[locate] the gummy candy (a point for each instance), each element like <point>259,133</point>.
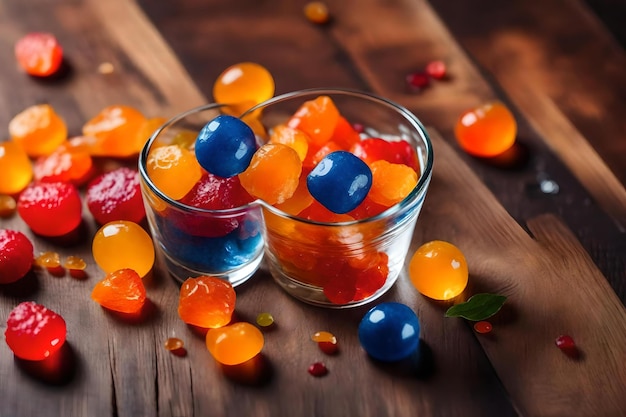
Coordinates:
<point>436,70</point>
<point>16,168</point>
<point>391,183</point>
<point>173,170</point>
<point>340,181</point>
<point>235,343</point>
<point>122,291</point>
<point>41,202</point>
<point>242,86</point>
<point>316,12</point>
<point>418,80</point>
<point>116,195</point>
<point>389,332</point>
<point>34,332</point>
<point>264,319</point>
<point>273,174</point>
<point>8,205</point>
<point>118,131</point>
<point>174,343</point>
<point>317,118</point>
<point>324,336</point>
<point>16,255</point>
<point>487,130</point>
<point>39,54</point>
<point>123,245</point>
<point>482,327</point>
<point>438,270</point>
<point>318,369</point>
<point>38,130</point>
<point>206,302</point>
<point>66,164</point>
<point>49,259</point>
<point>75,263</point>
<point>225,146</point>
<point>291,137</point>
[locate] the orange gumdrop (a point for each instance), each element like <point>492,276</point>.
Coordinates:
<point>487,130</point>
<point>294,138</point>
<point>118,130</point>
<point>38,129</point>
<point>391,183</point>
<point>317,118</point>
<point>273,174</point>
<point>344,134</point>
<point>121,291</point>
<point>206,302</point>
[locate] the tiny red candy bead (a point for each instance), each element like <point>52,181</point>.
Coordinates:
<point>483,327</point>
<point>318,369</point>
<point>328,348</point>
<point>436,70</point>
<point>418,80</point>
<point>565,342</point>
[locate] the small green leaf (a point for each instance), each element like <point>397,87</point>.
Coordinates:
<point>478,307</point>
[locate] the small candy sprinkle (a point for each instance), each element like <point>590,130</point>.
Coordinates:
<point>565,342</point>
<point>323,336</point>
<point>174,343</point>
<point>106,68</point>
<point>8,205</point>
<point>75,263</point>
<point>318,369</point>
<point>436,70</point>
<point>265,319</point>
<point>418,80</point>
<point>316,12</point>
<point>48,260</point>
<point>483,327</point>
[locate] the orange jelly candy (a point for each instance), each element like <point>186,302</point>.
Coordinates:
<point>66,163</point>
<point>391,183</point>
<point>17,171</point>
<point>235,343</point>
<point>242,86</point>
<point>122,291</point>
<point>487,130</point>
<point>438,270</point>
<point>317,118</point>
<point>118,130</point>
<point>39,130</point>
<point>206,302</point>
<point>273,174</point>
<point>174,170</point>
<point>291,137</point>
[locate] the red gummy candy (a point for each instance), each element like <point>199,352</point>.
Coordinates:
<point>16,255</point>
<point>39,54</point>
<point>116,195</point>
<point>34,332</point>
<point>50,208</point>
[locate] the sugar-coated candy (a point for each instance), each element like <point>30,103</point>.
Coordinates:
<point>17,171</point>
<point>273,174</point>
<point>235,343</point>
<point>34,332</point>
<point>225,146</point>
<point>118,131</point>
<point>16,255</point>
<point>66,163</point>
<point>206,302</point>
<point>39,54</point>
<point>173,170</point>
<point>242,86</point>
<point>438,270</point>
<point>38,129</point>
<point>122,244</point>
<point>122,291</point>
<point>116,195</point>
<point>340,182</point>
<point>41,202</point>
<point>487,130</point>
<point>389,332</point>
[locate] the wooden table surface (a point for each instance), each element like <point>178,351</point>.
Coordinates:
<point>559,257</point>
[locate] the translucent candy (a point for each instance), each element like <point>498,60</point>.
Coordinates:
<point>438,270</point>
<point>34,332</point>
<point>234,344</point>
<point>41,202</point>
<point>38,129</point>
<point>206,302</point>
<point>487,130</point>
<point>242,86</point>
<point>174,170</point>
<point>123,245</point>
<point>16,168</point>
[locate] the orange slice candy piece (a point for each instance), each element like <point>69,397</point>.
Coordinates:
<point>121,291</point>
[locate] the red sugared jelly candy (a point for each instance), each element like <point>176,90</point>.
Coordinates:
<point>50,209</point>
<point>16,255</point>
<point>116,195</point>
<point>39,54</point>
<point>34,332</point>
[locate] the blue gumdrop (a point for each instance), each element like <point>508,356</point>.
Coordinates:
<point>340,181</point>
<point>389,332</point>
<point>225,145</point>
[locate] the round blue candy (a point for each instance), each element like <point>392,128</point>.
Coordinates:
<point>225,145</point>
<point>389,332</point>
<point>340,181</point>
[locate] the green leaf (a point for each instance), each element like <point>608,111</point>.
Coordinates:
<point>478,307</point>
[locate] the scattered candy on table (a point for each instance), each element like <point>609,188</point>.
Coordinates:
<point>318,369</point>
<point>264,319</point>
<point>16,255</point>
<point>122,291</point>
<point>235,343</point>
<point>17,171</point>
<point>38,129</point>
<point>317,12</point>
<point>206,302</point>
<point>116,195</point>
<point>39,54</point>
<point>487,130</point>
<point>438,270</point>
<point>242,86</point>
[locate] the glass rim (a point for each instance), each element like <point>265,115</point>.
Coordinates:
<point>423,180</point>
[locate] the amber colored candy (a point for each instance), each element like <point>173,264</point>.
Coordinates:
<point>273,174</point>
<point>300,200</point>
<point>148,128</point>
<point>291,137</point>
<point>123,244</point>
<point>345,135</point>
<point>48,259</point>
<point>39,54</point>
<point>234,344</point>
<point>317,118</point>
<point>316,12</point>
<point>264,319</point>
<point>438,270</point>
<point>121,291</point>
<point>75,263</point>
<point>66,163</point>
<point>324,336</point>
<point>8,206</point>
<point>242,86</point>
<point>391,183</point>
<point>38,129</point>
<point>173,343</point>
<point>486,131</point>
<point>206,302</point>
<point>173,170</point>
<point>118,130</point>
<point>17,171</point>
